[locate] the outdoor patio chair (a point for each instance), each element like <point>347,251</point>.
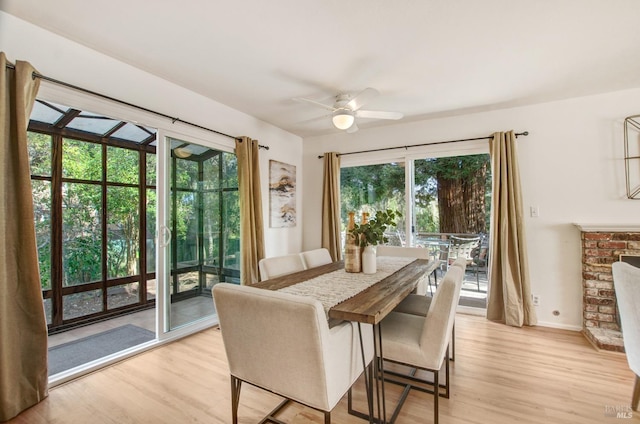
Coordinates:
<point>462,248</point>
<point>480,263</point>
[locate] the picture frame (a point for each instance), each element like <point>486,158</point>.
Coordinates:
<point>282,195</point>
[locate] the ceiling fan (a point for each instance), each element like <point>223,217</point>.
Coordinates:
<point>346,108</point>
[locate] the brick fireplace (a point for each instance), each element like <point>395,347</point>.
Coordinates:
<point>602,245</point>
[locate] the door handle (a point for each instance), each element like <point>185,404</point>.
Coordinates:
<point>165,236</point>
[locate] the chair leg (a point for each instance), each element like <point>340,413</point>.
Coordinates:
<point>636,394</point>
<point>446,373</point>
<point>436,386</point>
<point>236,385</point>
<point>327,417</point>
<point>453,343</point>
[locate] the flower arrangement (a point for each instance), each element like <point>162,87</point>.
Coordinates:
<point>372,232</point>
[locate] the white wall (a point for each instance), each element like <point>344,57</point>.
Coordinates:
<point>571,162</point>
<point>59,58</point>
<point>571,168</point>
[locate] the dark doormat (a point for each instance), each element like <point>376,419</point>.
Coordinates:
<point>473,302</point>
<point>90,348</point>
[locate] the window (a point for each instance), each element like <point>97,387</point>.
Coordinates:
<point>90,190</point>
<point>94,190</point>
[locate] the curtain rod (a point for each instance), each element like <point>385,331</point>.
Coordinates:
<point>524,133</point>
<point>122,102</point>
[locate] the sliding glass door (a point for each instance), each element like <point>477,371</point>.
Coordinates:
<point>203,220</point>
<point>445,202</point>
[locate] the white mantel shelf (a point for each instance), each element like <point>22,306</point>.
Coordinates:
<point>608,228</point>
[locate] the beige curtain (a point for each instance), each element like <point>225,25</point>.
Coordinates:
<point>509,299</point>
<point>251,226</point>
<point>331,229</point>
<point>23,328</point>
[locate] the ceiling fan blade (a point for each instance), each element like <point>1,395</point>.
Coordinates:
<point>314,119</point>
<point>313,102</point>
<point>361,98</point>
<point>378,114</point>
<point>353,128</point>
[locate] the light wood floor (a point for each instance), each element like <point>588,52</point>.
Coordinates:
<point>501,375</point>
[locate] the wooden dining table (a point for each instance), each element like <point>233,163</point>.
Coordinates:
<point>369,306</point>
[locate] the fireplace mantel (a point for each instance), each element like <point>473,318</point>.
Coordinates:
<point>608,228</point>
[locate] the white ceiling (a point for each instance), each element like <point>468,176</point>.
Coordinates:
<point>427,58</point>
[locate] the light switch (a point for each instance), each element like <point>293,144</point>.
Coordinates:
<point>535,211</point>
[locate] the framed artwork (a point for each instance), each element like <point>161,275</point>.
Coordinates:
<point>282,194</point>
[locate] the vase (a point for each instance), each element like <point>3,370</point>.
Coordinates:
<point>352,258</point>
<point>369,260</point>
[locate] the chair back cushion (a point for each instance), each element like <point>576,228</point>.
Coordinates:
<point>280,265</point>
<point>626,280</point>
<point>274,340</point>
<point>438,324</point>
<point>282,342</point>
<point>316,257</point>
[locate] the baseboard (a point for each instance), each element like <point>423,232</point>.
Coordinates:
<point>559,326</point>
<point>483,313</point>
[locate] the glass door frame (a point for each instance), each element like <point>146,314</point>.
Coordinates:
<point>435,151</point>
<point>163,226</point>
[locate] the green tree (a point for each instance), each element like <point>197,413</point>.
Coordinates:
<point>371,188</point>
<point>461,184</point>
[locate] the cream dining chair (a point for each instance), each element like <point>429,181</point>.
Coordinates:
<point>422,342</point>
<point>316,257</point>
<point>626,280</point>
<point>276,266</point>
<point>282,343</point>
<point>419,305</point>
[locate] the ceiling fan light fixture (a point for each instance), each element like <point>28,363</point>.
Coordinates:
<point>343,119</point>
<point>182,152</point>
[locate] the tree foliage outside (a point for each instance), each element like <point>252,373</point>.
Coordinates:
<point>202,189</point>
<point>371,188</point>
<point>461,188</point>
<point>451,194</point>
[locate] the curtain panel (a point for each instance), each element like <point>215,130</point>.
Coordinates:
<point>509,298</point>
<point>331,228</point>
<point>251,222</point>
<point>23,327</point>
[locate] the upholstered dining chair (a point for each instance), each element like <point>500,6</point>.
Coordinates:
<point>626,280</point>
<point>276,266</point>
<point>410,252</point>
<point>282,343</point>
<point>419,305</point>
<point>316,257</point>
<point>422,342</point>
